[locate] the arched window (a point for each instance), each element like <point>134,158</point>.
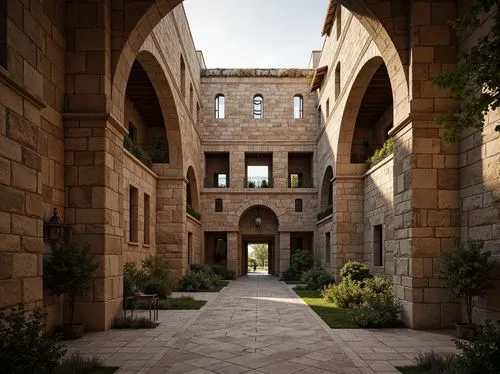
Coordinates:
<point>337,81</point>
<point>220,106</point>
<point>258,106</point>
<point>298,107</point>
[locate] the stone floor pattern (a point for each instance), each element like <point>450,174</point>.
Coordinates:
<point>256,325</point>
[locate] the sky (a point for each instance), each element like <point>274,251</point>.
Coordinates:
<point>256,33</point>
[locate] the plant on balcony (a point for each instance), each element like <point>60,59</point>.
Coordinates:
<point>381,153</point>
<point>251,185</point>
<point>325,212</point>
<point>192,212</point>
<point>159,152</point>
<point>70,271</point>
<point>465,272</point>
<point>137,151</point>
<point>264,184</point>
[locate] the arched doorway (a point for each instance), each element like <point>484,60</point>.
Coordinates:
<point>326,197</point>
<point>259,225</point>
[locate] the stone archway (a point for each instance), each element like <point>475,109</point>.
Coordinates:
<point>192,196</point>
<point>326,197</point>
<point>250,231</point>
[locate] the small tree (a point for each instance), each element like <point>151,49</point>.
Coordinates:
<point>465,272</point>
<point>70,271</point>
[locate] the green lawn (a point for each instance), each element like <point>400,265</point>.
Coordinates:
<point>336,318</point>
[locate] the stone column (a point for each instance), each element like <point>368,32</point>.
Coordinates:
<point>284,248</point>
<point>347,224</point>
<point>171,232</point>
<point>280,169</point>
<point>233,252</point>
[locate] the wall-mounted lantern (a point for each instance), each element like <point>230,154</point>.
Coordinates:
<point>258,219</point>
<point>54,229</point>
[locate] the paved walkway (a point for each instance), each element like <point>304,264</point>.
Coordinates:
<point>256,325</point>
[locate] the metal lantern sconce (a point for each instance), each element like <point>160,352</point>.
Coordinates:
<point>258,219</point>
<point>54,229</point>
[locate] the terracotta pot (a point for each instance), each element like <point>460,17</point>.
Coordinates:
<point>69,331</point>
<point>465,331</point>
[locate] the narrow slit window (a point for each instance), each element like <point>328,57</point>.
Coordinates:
<point>337,81</point>
<point>298,205</point>
<point>327,108</point>
<point>183,77</point>
<point>258,106</point>
<point>338,20</point>
<point>218,205</point>
<point>191,95</point>
<point>147,214</point>
<point>298,107</point>
<point>3,34</point>
<point>133,214</point>
<point>378,247</point>
<point>220,106</point>
<point>327,248</point>
<point>190,248</point>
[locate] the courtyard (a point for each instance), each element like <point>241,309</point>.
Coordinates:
<point>256,324</point>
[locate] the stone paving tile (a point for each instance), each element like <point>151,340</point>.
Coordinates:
<point>256,325</point>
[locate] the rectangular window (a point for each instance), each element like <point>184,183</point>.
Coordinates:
<point>337,81</point>
<point>147,214</point>
<point>327,248</point>
<point>190,247</point>
<point>220,106</point>
<point>133,214</point>
<point>298,205</point>
<point>132,132</point>
<point>295,180</point>
<point>221,180</point>
<point>298,107</point>
<point>183,77</point>
<point>327,108</point>
<point>218,205</point>
<point>378,247</point>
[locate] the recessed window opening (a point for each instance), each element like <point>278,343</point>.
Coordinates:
<point>220,106</point>
<point>338,20</point>
<point>296,180</point>
<point>3,34</point>
<point>183,77</point>
<point>258,106</point>
<point>132,132</point>
<point>327,248</point>
<point>191,94</point>
<point>298,205</point>
<point>133,214</point>
<point>257,176</point>
<point>378,250</point>
<point>190,248</point>
<point>147,214</point>
<point>327,108</point>
<point>298,107</point>
<point>218,205</point>
<point>337,81</point>
<point>221,180</point>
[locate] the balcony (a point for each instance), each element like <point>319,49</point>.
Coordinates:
<point>258,182</point>
<point>300,170</point>
<point>216,170</point>
<point>219,181</point>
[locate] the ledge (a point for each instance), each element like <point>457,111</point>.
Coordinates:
<point>189,216</point>
<point>324,220</point>
<point>135,244</point>
<point>258,73</point>
<point>378,165</point>
<point>137,161</point>
<point>259,191</point>
<point>21,89</point>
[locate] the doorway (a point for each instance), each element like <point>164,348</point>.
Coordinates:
<point>258,251</point>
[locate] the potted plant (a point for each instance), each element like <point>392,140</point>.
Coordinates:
<point>70,271</point>
<point>465,272</point>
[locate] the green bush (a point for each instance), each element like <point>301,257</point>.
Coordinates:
<point>301,261</point>
<point>133,279</point>
<point>317,279</point>
<point>325,212</point>
<point>290,274</point>
<point>76,364</point>
<point>345,294</point>
<point>436,363</point>
<point>378,308</point>
<point>26,346</point>
<point>482,354</point>
<point>195,281</point>
<point>137,151</point>
<point>192,212</point>
<point>355,271</point>
<point>133,323</point>
<point>154,277</point>
<point>223,272</point>
<point>203,268</point>
<point>381,153</point>
<point>161,289</point>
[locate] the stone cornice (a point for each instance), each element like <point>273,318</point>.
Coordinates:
<point>256,73</point>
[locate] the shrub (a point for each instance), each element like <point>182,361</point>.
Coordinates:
<point>156,272</point>
<point>223,272</point>
<point>436,363</point>
<point>325,212</point>
<point>133,279</point>
<point>161,289</point>
<point>192,212</point>
<point>203,268</point>
<point>195,281</point>
<point>482,354</point>
<point>137,151</point>
<point>344,294</point>
<point>379,308</point>
<point>381,153</point>
<point>290,274</point>
<point>25,343</point>
<point>355,271</point>
<point>317,279</point>
<point>301,261</point>
<point>76,364</point>
<point>133,323</point>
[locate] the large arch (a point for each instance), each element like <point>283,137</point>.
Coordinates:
<point>351,110</point>
<point>163,91</point>
<point>326,193</point>
<point>259,224</point>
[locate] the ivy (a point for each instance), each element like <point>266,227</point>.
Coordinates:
<point>381,153</point>
<point>475,80</point>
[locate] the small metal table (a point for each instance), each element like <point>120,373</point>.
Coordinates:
<point>152,299</point>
